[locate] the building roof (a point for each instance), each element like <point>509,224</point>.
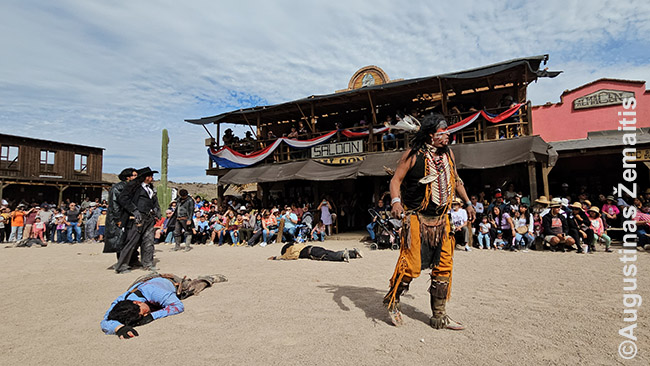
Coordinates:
<point>599,139</point>
<point>4,135</point>
<point>569,91</point>
<point>461,80</point>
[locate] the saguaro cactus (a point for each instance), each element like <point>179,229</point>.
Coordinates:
<point>164,192</point>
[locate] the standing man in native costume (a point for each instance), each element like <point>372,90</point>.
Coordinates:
<point>422,191</point>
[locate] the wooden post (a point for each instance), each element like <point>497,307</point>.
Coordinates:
<point>2,187</point>
<point>61,189</point>
<point>249,126</point>
<point>532,180</point>
<point>220,191</point>
<point>313,119</point>
<point>545,172</point>
<point>218,134</point>
<point>443,90</point>
<point>371,137</point>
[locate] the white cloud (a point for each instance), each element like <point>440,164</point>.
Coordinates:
<point>113,74</point>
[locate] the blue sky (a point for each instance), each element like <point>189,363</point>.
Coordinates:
<point>114,74</point>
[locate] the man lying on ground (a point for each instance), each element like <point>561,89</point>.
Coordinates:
<point>152,297</point>
<point>291,251</point>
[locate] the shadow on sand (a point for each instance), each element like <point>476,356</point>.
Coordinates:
<point>370,300</point>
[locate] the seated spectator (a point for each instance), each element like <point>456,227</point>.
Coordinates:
<point>598,228</point>
<point>611,212</point>
<point>61,228</point>
<point>459,224</point>
<point>233,227</point>
<point>556,229</point>
<point>270,226</point>
<point>502,221</point>
<point>318,232</point>
<point>524,228</point>
<point>499,242</point>
<point>290,222</point>
<point>383,211</point>
<point>581,225</point>
<point>642,219</point>
<point>257,229</point>
<point>484,233</point>
<point>202,230</point>
<point>218,229</point>
<point>246,228</point>
<point>541,206</point>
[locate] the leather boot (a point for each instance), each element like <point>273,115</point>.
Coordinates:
<point>188,240</point>
<point>394,309</point>
<point>438,293</point>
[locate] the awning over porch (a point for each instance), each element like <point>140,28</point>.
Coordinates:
<point>480,155</point>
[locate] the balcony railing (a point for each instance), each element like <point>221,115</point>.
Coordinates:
<point>481,130</point>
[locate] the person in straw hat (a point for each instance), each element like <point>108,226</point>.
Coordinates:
<point>584,233</point>
<point>555,229</point>
<point>541,205</point>
<point>598,227</point>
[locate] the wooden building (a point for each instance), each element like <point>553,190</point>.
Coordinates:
<point>41,170</point>
<point>488,151</point>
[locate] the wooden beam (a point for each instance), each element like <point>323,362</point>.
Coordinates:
<point>443,90</point>
<point>249,126</point>
<point>208,131</point>
<point>532,180</point>
<point>545,172</point>
<point>372,125</point>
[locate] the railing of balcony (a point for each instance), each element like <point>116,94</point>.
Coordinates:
<point>481,130</point>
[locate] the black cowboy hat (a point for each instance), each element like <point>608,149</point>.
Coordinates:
<point>146,171</point>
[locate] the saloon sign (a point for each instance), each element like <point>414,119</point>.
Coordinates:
<point>336,149</point>
<point>601,98</point>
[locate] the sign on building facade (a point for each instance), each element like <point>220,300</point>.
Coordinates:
<point>337,149</point>
<point>601,98</point>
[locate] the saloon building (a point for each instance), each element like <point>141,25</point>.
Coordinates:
<point>49,171</point>
<point>338,144</point>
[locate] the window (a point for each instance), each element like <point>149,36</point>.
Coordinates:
<point>81,163</point>
<point>47,160</point>
<point>9,157</point>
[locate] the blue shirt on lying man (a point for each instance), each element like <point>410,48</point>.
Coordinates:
<point>157,294</point>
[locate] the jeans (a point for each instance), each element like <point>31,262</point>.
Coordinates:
<point>484,237</point>
<point>290,233</point>
<point>268,235</point>
<point>60,236</point>
<point>318,236</point>
<point>77,231</point>
<point>371,230</point>
<point>234,235</point>
<point>526,238</point>
<point>606,239</point>
<point>16,233</point>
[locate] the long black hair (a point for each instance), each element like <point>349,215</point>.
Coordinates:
<point>428,125</point>
<point>125,312</point>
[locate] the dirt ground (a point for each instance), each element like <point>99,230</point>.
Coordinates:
<point>519,309</point>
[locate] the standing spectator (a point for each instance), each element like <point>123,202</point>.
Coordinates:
<point>5,212</point>
<point>61,228</point>
<point>325,215</point>
<point>38,229</point>
<point>478,206</point>
<point>611,212</point>
<point>510,193</point>
<point>2,225</point>
<point>30,218</point>
<point>17,222</point>
<point>290,223</point>
<point>85,203</point>
<point>459,224</point>
<point>47,217</point>
<point>92,215</point>
<point>101,225</point>
<point>73,216</point>
<point>183,216</point>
